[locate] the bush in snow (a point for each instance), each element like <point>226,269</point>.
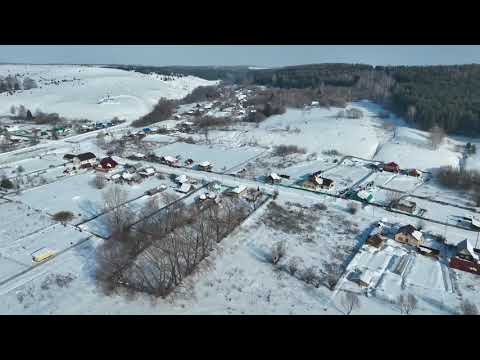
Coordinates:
<point>468,308</point>
<point>63,216</point>
<point>284,150</point>
<point>310,276</point>
<point>6,183</point>
<point>352,208</point>
<point>277,252</point>
<point>350,301</point>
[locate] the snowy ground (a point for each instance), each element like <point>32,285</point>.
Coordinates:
<point>130,94</point>
<point>239,279</point>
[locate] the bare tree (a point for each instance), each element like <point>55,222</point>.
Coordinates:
<point>350,302</point>
<point>393,197</point>
<point>468,308</point>
<point>436,136</point>
<point>407,303</point>
<point>13,109</point>
<point>278,251</point>
<point>293,264</point>
<point>411,112</point>
<point>118,215</point>
<point>100,181</point>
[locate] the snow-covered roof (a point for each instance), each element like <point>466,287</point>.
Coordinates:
<point>182,179</point>
<point>205,163</point>
<point>239,189</point>
<point>185,187</point>
<point>363,194</point>
<point>366,277</point>
<point>475,222</point>
<point>274,176</point>
<point>465,245</point>
<point>127,176</point>
<point>148,171</point>
<point>170,158</point>
<point>417,234</point>
<point>115,176</point>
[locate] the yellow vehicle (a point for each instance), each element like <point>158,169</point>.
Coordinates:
<point>42,255</point>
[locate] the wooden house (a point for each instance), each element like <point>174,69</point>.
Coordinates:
<point>391,167</point>
<point>409,235</point>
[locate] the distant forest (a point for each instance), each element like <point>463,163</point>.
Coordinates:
<point>447,96</point>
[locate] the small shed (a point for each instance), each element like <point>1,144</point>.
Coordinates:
<point>237,191</point>
<point>391,167</point>
<point>365,278</point>
<point>205,166</point>
<point>405,205</point>
<point>150,171</point>
<point>185,188</point>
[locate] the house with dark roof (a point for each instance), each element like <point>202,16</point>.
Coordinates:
<point>108,163</point>
<point>85,160</point>
<point>409,235</point>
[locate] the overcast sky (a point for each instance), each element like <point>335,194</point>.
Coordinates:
<point>259,55</point>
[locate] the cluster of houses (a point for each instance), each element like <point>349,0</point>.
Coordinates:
<point>463,255</point>
<point>395,168</point>
<point>129,172</point>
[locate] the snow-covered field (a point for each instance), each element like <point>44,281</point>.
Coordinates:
<point>320,232</point>
<point>130,94</point>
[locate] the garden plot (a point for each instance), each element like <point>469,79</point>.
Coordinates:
<point>437,192</point>
<point>404,183</point>
<point>30,165</point>
<point>19,220</point>
<point>56,237</point>
<point>160,138</point>
<point>347,174</point>
<point>440,212</point>
<point>223,158</point>
<point>410,148</point>
<point>99,226</point>
<point>78,195</point>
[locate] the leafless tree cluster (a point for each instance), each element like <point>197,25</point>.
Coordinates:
<point>202,93</point>
<point>459,179</point>
<point>284,150</point>
<point>393,197</point>
<point>162,111</point>
<point>436,136</point>
<point>161,251</point>
<point>407,303</point>
<point>350,302</point>
<point>207,121</point>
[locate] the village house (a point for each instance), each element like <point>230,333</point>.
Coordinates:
<point>466,258</point>
<point>237,191</point>
<point>85,160</point>
<point>364,195</point>
<point>409,235</point>
<point>273,179</point>
<point>205,166</point>
<point>414,172</point>
<point>149,171</point>
<point>107,164</point>
<point>185,188</point>
<point>169,160</point>
<point>321,182</point>
<point>465,251</point>
<point>376,238</point>
<point>405,205</point>
<point>391,167</point>
<point>182,179</point>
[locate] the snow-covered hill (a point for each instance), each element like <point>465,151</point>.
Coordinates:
<point>93,93</point>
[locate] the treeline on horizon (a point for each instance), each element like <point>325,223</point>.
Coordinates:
<point>447,96</point>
